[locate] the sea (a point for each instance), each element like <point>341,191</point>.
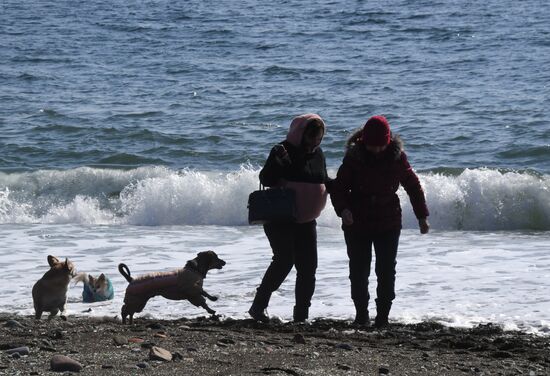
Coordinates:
<point>134,131</point>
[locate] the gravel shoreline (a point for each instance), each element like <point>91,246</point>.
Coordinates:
<point>204,346</point>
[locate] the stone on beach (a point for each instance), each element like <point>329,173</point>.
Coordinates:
<point>120,340</point>
<point>23,350</point>
<point>299,338</point>
<point>13,324</point>
<point>384,369</point>
<point>158,353</point>
<point>142,365</point>
<point>344,346</point>
<point>62,363</point>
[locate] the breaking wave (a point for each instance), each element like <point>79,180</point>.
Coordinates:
<point>473,199</point>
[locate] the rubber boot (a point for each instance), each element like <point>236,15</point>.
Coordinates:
<point>257,310</point>
<point>361,314</point>
<point>382,313</point>
<point>362,317</point>
<point>301,313</point>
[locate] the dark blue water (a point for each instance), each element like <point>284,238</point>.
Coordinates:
<point>211,85</point>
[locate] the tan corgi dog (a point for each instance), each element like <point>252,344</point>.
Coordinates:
<point>49,293</point>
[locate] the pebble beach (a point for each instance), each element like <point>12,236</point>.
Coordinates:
<point>212,346</point>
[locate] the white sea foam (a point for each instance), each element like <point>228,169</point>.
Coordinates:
<point>484,199</point>
<point>457,278</point>
<point>479,199</point>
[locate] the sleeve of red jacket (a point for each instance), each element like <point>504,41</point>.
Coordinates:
<point>409,180</point>
<point>340,188</point>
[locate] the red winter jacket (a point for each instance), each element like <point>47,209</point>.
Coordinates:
<point>367,184</point>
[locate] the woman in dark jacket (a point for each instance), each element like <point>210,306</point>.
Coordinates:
<point>364,196</point>
<point>297,163</point>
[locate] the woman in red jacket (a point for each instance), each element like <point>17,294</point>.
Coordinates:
<point>364,196</point>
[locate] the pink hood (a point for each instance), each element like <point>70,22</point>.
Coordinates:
<point>298,126</point>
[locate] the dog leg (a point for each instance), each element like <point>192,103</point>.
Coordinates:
<point>128,310</point>
<point>53,312</point>
<point>208,309</point>
<point>123,313</point>
<point>37,314</point>
<point>62,312</point>
<point>213,298</point>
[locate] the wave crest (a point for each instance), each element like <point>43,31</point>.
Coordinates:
<point>475,199</point>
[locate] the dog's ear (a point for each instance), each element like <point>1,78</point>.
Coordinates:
<point>101,278</point>
<point>68,267</point>
<point>91,279</point>
<point>52,260</point>
<point>203,259</point>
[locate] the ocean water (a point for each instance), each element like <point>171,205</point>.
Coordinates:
<point>134,132</point>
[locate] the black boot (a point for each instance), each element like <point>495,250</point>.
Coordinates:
<point>257,310</point>
<point>361,317</point>
<point>361,313</point>
<point>300,314</point>
<point>382,313</point>
<point>258,314</point>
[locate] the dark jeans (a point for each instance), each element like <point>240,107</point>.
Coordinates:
<point>359,246</point>
<point>293,244</point>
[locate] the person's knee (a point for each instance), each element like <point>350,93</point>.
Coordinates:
<point>387,267</point>
<point>385,272</point>
<point>359,270</point>
<point>306,269</point>
<point>359,277</point>
<point>306,276</point>
<point>283,262</point>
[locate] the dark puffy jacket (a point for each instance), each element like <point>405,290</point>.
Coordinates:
<point>303,172</point>
<point>367,184</point>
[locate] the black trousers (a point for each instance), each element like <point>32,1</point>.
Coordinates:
<point>293,244</point>
<point>359,247</point>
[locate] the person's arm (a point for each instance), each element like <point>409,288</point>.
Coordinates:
<point>273,170</point>
<point>327,180</point>
<point>410,182</point>
<point>340,189</point>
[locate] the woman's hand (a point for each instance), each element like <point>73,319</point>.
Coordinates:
<point>347,217</point>
<point>424,225</point>
<point>282,154</point>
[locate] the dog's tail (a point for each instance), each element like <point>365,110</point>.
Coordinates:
<point>123,269</point>
<point>80,277</point>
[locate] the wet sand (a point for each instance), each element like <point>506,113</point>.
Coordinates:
<point>205,346</point>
